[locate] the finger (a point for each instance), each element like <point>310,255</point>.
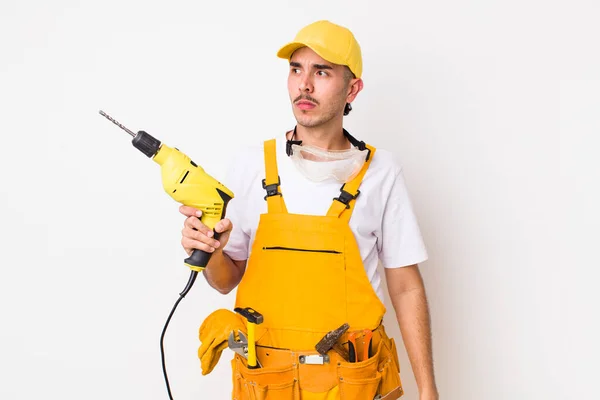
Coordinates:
<point>223,225</point>
<point>204,346</point>
<point>200,236</point>
<point>194,244</point>
<point>195,223</point>
<point>190,211</point>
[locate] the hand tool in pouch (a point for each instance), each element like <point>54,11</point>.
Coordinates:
<point>240,346</point>
<point>253,318</point>
<point>352,347</point>
<point>188,184</point>
<point>367,344</point>
<point>330,342</point>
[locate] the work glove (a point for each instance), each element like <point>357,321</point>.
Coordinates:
<point>214,334</point>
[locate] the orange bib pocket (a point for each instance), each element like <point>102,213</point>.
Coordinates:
<point>313,269</point>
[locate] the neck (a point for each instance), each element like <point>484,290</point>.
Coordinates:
<point>329,136</point>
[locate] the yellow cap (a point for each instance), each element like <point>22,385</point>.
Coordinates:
<point>332,42</point>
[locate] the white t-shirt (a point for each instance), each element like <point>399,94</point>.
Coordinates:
<point>383,220</point>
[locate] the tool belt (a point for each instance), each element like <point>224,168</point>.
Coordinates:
<point>307,375</point>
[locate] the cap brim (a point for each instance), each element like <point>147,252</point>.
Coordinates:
<point>289,49</point>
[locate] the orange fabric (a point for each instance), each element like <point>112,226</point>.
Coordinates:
<point>339,209</point>
<point>306,277</point>
<point>214,333</point>
<point>275,204</point>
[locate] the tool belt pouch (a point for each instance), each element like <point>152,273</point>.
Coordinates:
<point>283,377</point>
<point>268,382</point>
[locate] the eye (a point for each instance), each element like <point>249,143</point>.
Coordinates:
<point>322,73</point>
<point>295,71</point>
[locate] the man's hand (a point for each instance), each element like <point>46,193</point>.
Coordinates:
<point>196,235</point>
<point>221,272</point>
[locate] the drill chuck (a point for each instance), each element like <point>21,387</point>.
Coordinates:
<point>142,141</point>
<point>146,143</point>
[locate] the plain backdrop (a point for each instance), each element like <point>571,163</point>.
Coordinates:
<point>491,107</point>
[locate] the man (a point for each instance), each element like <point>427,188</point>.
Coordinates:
<point>308,263</point>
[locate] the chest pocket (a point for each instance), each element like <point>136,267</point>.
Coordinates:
<point>308,278</point>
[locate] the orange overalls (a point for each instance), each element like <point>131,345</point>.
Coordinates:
<point>306,277</point>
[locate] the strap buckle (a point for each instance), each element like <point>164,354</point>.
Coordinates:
<point>346,197</point>
<point>272,189</point>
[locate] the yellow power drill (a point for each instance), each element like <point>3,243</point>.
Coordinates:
<point>190,185</point>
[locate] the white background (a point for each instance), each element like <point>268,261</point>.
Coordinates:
<point>491,106</point>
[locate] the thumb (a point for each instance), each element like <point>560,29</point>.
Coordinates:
<point>223,225</point>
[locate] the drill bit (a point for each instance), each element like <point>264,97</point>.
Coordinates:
<point>118,124</point>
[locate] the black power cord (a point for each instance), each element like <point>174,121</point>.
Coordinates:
<point>185,291</point>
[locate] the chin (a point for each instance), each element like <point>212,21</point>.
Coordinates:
<point>306,120</point>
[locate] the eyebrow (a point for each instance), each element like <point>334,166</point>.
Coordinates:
<point>316,66</point>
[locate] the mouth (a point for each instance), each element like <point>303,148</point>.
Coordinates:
<point>305,105</point>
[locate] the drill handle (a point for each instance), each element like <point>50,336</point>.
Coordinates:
<point>200,258</point>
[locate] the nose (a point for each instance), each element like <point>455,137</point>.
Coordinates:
<point>306,85</point>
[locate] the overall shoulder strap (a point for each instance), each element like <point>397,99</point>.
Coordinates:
<point>271,184</point>
<point>343,205</point>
